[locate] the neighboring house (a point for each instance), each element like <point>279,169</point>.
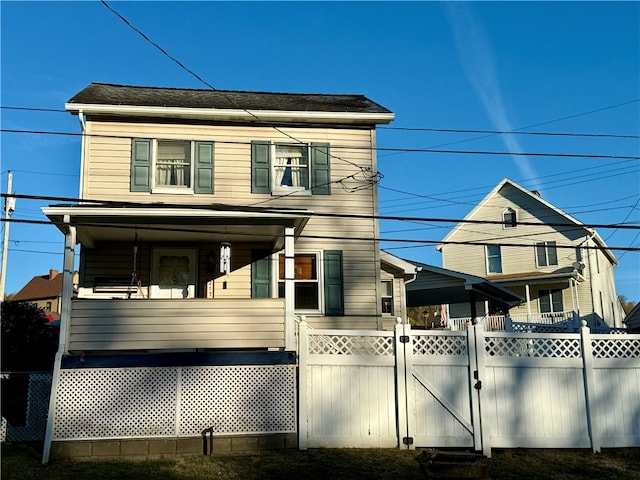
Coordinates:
<point>211,222</point>
<point>562,268</point>
<point>632,320</point>
<point>45,291</point>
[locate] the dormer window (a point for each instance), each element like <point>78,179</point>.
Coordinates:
<point>509,218</point>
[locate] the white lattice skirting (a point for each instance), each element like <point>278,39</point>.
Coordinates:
<point>99,403</point>
<point>36,411</point>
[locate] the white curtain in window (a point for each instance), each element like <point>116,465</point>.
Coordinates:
<point>173,163</point>
<point>281,168</point>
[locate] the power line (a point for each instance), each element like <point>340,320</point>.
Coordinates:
<point>536,124</point>
<point>379,149</point>
<point>204,82</point>
<point>335,237</point>
<point>413,129</point>
<point>249,208</point>
<point>508,132</point>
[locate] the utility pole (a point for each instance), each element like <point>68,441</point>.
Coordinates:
<point>9,207</point>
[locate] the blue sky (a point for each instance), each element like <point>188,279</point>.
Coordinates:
<point>562,67</point>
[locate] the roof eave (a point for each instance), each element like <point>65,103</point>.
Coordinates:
<point>356,118</point>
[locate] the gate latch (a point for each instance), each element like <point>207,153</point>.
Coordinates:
<point>404,338</point>
<point>478,385</point>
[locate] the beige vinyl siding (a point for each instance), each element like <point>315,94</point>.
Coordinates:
<point>515,259</point>
<point>106,176</point>
<point>176,324</point>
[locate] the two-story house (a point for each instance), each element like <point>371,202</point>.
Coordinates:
<point>45,291</point>
<point>520,241</point>
<point>210,223</point>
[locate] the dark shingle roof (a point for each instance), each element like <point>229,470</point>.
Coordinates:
<point>40,287</point>
<point>109,94</point>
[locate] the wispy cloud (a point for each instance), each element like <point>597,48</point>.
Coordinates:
<point>478,61</point>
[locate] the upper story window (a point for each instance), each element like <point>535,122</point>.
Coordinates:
<point>546,254</point>
<point>290,169</point>
<point>171,166</point>
<point>494,259</point>
<point>282,169</point>
<point>509,218</point>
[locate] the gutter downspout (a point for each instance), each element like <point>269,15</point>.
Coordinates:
<point>404,293</point>
<point>65,318</point>
<point>593,300</point>
<point>83,128</point>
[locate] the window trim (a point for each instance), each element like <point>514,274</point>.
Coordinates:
<point>549,293</point>
<point>547,245</point>
<point>510,224</point>
<point>488,257</point>
<point>383,296</point>
<point>284,189</point>
<point>319,259</point>
<point>173,189</point>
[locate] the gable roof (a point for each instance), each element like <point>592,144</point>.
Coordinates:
<point>506,181</point>
<point>41,287</point>
<point>127,99</point>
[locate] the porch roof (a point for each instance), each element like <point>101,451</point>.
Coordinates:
<point>537,277</point>
<point>435,285</point>
<point>162,223</point>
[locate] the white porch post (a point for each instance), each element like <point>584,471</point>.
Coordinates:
<point>528,295</point>
<point>289,289</point>
<point>65,319</point>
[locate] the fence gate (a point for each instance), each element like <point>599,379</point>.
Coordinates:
<point>438,388</point>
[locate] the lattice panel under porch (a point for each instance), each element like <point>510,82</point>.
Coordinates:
<point>39,390</point>
<point>350,345</point>
<point>616,347</point>
<point>115,403</point>
<point>532,346</point>
<point>440,345</point>
<point>174,401</point>
<point>242,399</point>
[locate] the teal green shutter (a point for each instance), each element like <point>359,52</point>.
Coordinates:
<point>140,165</point>
<point>204,167</point>
<point>333,283</point>
<point>320,169</point>
<point>260,167</point>
<point>260,274</point>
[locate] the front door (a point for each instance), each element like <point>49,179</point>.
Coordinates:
<point>173,273</point>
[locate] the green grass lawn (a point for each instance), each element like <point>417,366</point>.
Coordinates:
<point>23,462</point>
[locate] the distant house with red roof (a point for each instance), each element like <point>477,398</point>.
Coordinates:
<point>45,291</point>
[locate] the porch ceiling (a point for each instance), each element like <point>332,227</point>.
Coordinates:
<point>183,224</point>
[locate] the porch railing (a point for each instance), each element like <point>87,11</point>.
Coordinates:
<point>152,324</point>
<point>497,323</point>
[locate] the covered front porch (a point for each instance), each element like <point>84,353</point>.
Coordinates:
<point>157,278</point>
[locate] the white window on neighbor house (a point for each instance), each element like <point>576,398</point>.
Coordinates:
<point>550,300</point>
<point>386,296</point>
<point>546,254</point>
<point>494,259</point>
<point>307,277</point>
<point>290,168</point>
<point>509,219</point>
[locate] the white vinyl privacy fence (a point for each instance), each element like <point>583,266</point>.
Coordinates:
<point>427,388</point>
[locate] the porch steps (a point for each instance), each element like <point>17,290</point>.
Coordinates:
<point>452,465</point>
